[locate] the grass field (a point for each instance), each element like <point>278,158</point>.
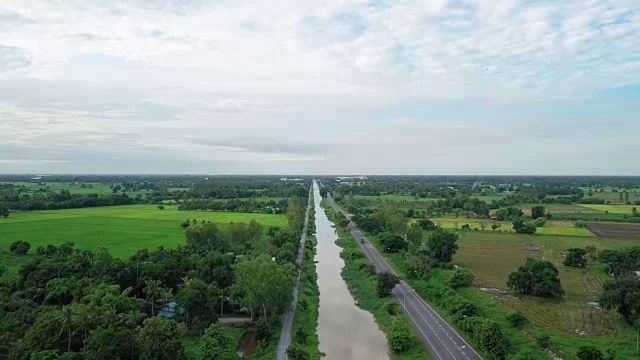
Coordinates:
<point>558,208</point>
<point>609,195</point>
<point>581,285</point>
<point>565,228</point>
<point>411,198</point>
<point>74,188</point>
<point>614,209</point>
<point>122,229</point>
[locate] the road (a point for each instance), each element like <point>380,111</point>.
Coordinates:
<point>442,341</point>
<point>287,318</point>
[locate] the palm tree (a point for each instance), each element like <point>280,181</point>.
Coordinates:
<point>67,324</point>
<point>152,290</point>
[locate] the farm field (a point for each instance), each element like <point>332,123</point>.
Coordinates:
<point>74,188</point>
<point>410,198</point>
<point>568,316</point>
<point>564,228</point>
<point>122,229</point>
<point>558,208</point>
<point>609,195</point>
<point>616,230</point>
<point>614,209</point>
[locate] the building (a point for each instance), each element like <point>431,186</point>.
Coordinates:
<point>170,310</point>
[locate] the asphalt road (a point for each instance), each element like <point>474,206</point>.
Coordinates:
<point>287,318</point>
<point>441,340</point>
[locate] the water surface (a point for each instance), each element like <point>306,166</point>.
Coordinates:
<point>345,331</point>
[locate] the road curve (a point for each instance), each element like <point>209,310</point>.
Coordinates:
<point>287,318</point>
<point>441,340</point>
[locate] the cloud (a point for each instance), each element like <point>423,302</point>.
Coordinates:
<point>360,82</point>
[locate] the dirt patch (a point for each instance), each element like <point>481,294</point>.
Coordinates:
<point>615,230</point>
<point>533,251</point>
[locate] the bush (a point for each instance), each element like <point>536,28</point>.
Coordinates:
<point>575,258</point>
<point>517,319</point>
<point>524,227</point>
<point>537,278</point>
<point>297,352</point>
<point>386,282</point>
<point>544,341</point>
<point>160,207</point>
<point>540,222</point>
<point>401,338</point>
<point>461,278</point>
<point>20,247</point>
<point>589,353</point>
<point>580,224</point>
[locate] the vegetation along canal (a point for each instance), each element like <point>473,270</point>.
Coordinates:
<point>345,331</point>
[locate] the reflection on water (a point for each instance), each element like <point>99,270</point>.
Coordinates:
<point>345,331</point>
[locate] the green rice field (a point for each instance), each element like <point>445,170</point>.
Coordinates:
<point>614,209</point>
<point>122,229</point>
<point>563,228</point>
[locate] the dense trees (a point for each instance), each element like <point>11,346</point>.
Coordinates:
<point>20,247</point>
<point>524,227</point>
<point>461,278</point>
<point>623,294</point>
<point>442,245</point>
<point>509,214</point>
<point>536,277</point>
<point>537,212</point>
<point>160,339</point>
<point>393,243</point>
<point>621,262</point>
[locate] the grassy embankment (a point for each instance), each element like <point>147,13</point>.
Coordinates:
<point>122,229</point>
<point>363,288</point>
<point>306,318</point>
<point>570,322</point>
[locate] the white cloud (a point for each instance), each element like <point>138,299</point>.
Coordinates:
<point>104,76</point>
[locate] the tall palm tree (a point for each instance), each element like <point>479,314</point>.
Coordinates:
<point>67,324</point>
<point>152,290</point>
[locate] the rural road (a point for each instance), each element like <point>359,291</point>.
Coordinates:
<point>440,339</point>
<point>287,318</point>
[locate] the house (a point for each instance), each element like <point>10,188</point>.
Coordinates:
<point>170,310</point>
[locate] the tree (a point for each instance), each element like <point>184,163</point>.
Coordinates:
<point>509,214</point>
<point>524,227</point>
<point>537,278</point>
<point>537,212</point>
<point>215,344</point>
<point>544,341</point>
<point>160,207</point>
<point>4,211</point>
<point>386,282</point>
<point>442,245</point>
<point>266,285</point>
<point>589,353</point>
<point>20,247</point>
<point>200,300</point>
<point>416,267</point>
<point>414,236</point>
<point>492,339</point>
<point>393,243</point>
<point>575,258</point>
<point>160,339</point>
<point>580,224</point>
<point>205,238</point>
<point>109,343</point>
<point>401,337</point>
<point>495,226</point>
<point>624,295</point>
<point>152,290</point>
<point>540,222</point>
<point>461,278</point>
<point>427,224</point>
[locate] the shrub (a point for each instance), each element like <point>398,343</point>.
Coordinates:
<point>20,247</point>
<point>386,282</point>
<point>544,341</point>
<point>401,338</point>
<point>517,319</point>
<point>580,224</point>
<point>461,278</point>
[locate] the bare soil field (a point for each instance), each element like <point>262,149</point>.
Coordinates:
<point>615,230</point>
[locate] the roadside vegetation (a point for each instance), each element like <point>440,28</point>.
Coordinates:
<point>549,285</point>
<point>360,277</point>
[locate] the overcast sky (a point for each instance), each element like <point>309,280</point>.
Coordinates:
<point>320,87</point>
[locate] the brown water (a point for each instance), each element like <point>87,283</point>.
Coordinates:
<point>345,331</point>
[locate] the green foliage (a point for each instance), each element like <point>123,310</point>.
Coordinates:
<point>415,234</point>
<point>589,353</point>
<point>524,227</point>
<point>536,277</point>
<point>540,222</point>
<point>537,212</point>
<point>544,341</point>
<point>575,258</point>
<point>160,339</point>
<point>580,224</point>
<point>393,243</point>
<point>492,339</point>
<point>623,294</point>
<point>416,267</point>
<point>509,214</point>
<point>621,262</point>
<point>461,278</point>
<point>442,245</point>
<point>427,224</point>
<point>297,352</point>
<point>517,319</point>
<point>401,338</point>
<point>386,282</point>
<point>20,247</point>
<point>200,301</point>
<point>214,344</point>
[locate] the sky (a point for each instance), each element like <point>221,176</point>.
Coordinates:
<point>320,87</point>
